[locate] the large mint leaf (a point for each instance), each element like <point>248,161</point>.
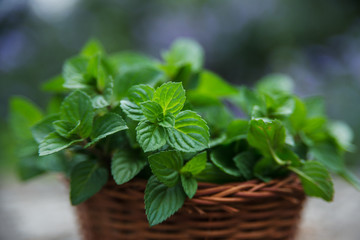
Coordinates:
<point>184,52</point>
<point>161,201</point>
<point>166,166</point>
<point>54,85</point>
<point>152,111</point>
<point>54,143</point>
<point>78,107</point>
<point>315,107</point>
<point>315,180</point>
<point>171,97</point>
<point>196,165</point>
<point>87,178</point>
<point>190,133</point>
<point>141,93</point>
<point>266,136</point>
<point>222,157</point>
<point>298,117</point>
<point>44,128</point>
<point>106,125</point>
<point>236,130</point>
<point>126,164</point>
<point>75,73</point>
<point>213,174</point>
<point>150,136</point>
<point>189,184</point>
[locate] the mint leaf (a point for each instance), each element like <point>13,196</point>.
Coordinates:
<point>190,133</point>
<point>266,136</point>
<point>141,93</point>
<point>189,184</point>
<point>65,128</point>
<point>343,135</point>
<point>135,75</point>
<point>298,117</point>
<point>87,178</point>
<point>247,100</point>
<point>75,73</point>
<point>126,164</point>
<point>315,180</point>
<point>152,111</point>
<point>166,166</point>
<point>161,201</point>
<point>245,163</point>
<point>54,85</point>
<point>168,121</point>
<point>196,165</point>
<point>275,84</point>
<point>78,107</point>
<point>54,143</point>
<point>236,130</point>
<point>222,157</point>
<point>315,107</point>
<point>23,115</point>
<point>171,97</point>
<point>92,47</point>
<point>99,102</point>
<point>150,136</point>
<point>106,125</point>
<point>213,174</point>
<point>213,85</point>
<point>184,52</point>
<point>44,128</point>
<point>132,110</point>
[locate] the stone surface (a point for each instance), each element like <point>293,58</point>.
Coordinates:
<point>40,210</point>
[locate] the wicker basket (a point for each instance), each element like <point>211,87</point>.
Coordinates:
<point>249,210</point>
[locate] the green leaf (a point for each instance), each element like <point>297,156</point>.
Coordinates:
<point>44,128</point>
<point>168,121</point>
<point>150,136</point>
<point>92,47</point>
<point>78,107</point>
<point>54,85</point>
<point>213,85</point>
<point>171,97</point>
<point>161,201</point>
<point>266,136</point>
<point>328,154</point>
<point>245,163</point>
<point>274,84</point>
<point>247,99</point>
<point>315,179</point>
<point>214,175</point>
<point>54,143</point>
<point>23,115</point>
<point>106,125</point>
<point>190,133</point>
<point>87,178</point>
<point>222,157</point>
<point>196,165</point>
<point>54,163</point>
<point>99,102</point>
<point>236,130</point>
<point>141,93</point>
<point>75,73</point>
<point>66,129</point>
<point>126,164</point>
<point>28,167</point>
<point>189,184</point>
<point>132,110</point>
<point>350,178</point>
<point>342,134</point>
<point>298,117</point>
<point>139,74</point>
<point>184,52</point>
<point>123,61</point>
<point>166,166</point>
<point>315,107</point>
<point>152,111</point>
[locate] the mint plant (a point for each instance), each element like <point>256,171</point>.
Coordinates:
<point>116,117</point>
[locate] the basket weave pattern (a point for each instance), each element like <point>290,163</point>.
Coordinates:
<point>249,210</point>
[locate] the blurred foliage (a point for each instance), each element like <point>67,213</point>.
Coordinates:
<point>314,41</point>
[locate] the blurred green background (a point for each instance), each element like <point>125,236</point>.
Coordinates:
<point>316,42</point>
